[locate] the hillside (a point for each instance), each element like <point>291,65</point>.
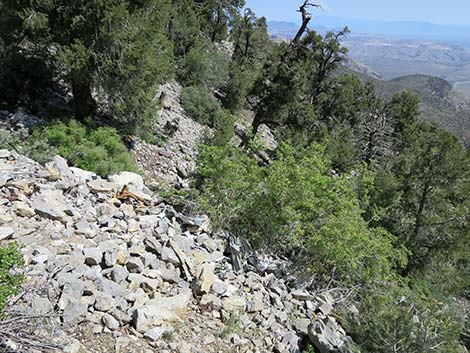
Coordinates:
<point>393,56</point>
<point>440,103</point>
<point>173,181</point>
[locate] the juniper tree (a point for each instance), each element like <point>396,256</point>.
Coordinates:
<point>113,53</point>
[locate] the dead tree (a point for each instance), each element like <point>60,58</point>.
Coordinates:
<point>306,17</point>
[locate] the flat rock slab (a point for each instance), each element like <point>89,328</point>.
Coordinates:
<point>6,233</point>
<point>102,186</point>
<point>50,205</point>
<point>157,311</point>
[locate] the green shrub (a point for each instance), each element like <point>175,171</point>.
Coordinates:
<point>38,149</point>
<point>395,318</point>
<point>9,140</point>
<point>297,207</point>
<point>97,149</point>
<point>205,66</point>
<point>10,283</point>
<point>200,104</point>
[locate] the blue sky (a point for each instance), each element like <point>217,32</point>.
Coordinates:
<point>450,12</point>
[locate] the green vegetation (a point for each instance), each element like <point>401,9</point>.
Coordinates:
<point>297,207</point>
<point>98,149</point>
<point>200,104</point>
<point>231,327</point>
<point>105,50</point>
<point>395,319</point>
<point>359,189</point>
<point>10,283</point>
<point>439,103</point>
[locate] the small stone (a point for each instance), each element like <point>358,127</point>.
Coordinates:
<point>157,311</point>
<point>23,210</point>
<point>4,154</point>
<point>170,275</point>
<point>110,322</point>
<point>49,206</point>
<point>104,303</point>
<point>155,333</point>
<point>73,347</point>
<point>6,233</point>
<point>119,274</point>
<point>93,256</point>
<point>41,306</point>
<point>40,259</point>
<point>302,295</point>
<point>234,303</point>
<point>127,178</point>
<point>301,325</point>
<point>205,280</point>
<point>83,227</point>
<point>74,314</point>
<point>110,258</point>
<point>210,300</point>
<point>134,265</point>
<point>168,255</point>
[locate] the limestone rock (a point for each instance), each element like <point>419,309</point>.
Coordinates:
<point>101,186</point>
<point>110,322</point>
<point>127,178</point>
<point>234,303</point>
<point>6,233</point>
<point>93,256</point>
<point>205,280</point>
<point>50,206</point>
<point>157,311</point>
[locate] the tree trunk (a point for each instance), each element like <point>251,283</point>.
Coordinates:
<point>83,103</point>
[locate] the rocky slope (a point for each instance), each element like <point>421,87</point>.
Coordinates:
<point>112,268</point>
<point>169,164</point>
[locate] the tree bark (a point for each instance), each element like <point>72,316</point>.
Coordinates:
<point>83,103</point>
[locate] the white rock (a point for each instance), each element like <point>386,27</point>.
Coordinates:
<point>101,186</point>
<point>157,311</point>
<point>6,233</point>
<point>127,178</point>
<point>110,322</point>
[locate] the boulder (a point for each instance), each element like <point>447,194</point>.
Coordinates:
<point>101,186</point>
<point>157,311</point>
<point>127,178</point>
<point>50,205</point>
<point>205,280</point>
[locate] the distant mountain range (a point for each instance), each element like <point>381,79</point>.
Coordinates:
<point>399,55</point>
<point>395,62</point>
<point>439,102</point>
<point>459,35</point>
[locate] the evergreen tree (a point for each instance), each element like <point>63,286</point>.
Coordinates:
<point>111,52</point>
<point>251,44</point>
<point>424,197</point>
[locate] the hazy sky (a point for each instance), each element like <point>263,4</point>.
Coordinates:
<point>455,12</point>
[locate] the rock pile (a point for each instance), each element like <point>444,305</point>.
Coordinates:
<point>108,258</point>
<point>172,162</point>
